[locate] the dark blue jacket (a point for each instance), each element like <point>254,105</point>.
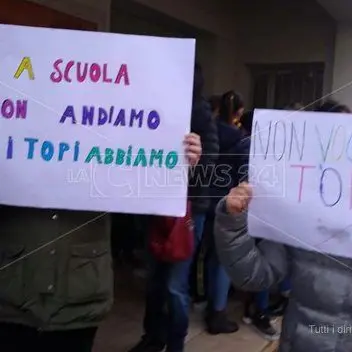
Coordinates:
<point>203,124</point>
<point>232,164</point>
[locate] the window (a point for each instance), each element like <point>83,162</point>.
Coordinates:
<point>277,86</point>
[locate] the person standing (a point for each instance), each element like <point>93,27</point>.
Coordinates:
<point>56,279</point>
<point>166,316</point>
<point>258,311</point>
<point>214,102</point>
<point>333,106</point>
<point>230,167</point>
<point>321,284</point>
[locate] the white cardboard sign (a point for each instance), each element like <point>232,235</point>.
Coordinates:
<point>94,121</point>
<point>301,171</point>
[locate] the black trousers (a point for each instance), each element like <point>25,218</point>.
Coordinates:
<point>16,338</point>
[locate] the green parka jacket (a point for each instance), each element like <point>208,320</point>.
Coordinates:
<point>55,268</point>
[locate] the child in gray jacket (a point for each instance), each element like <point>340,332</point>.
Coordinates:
<point>319,314</point>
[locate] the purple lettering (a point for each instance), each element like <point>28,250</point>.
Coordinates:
<point>102,117</point>
<point>88,115</point>
<point>69,112</point>
<point>153,120</point>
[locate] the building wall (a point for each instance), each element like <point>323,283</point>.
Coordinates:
<point>275,32</point>
<point>209,15</point>
<point>214,21</point>
<point>256,31</point>
<point>127,20</point>
<point>169,22</point>
<point>97,11</point>
<point>230,34</point>
<point>342,82</point>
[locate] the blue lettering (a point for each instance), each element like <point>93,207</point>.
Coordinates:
<point>47,151</point>
<point>31,142</point>
<point>76,152</point>
<point>63,148</point>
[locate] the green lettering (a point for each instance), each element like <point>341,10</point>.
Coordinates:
<point>171,160</point>
<point>109,156</point>
<point>94,153</point>
<point>120,157</point>
<point>129,156</point>
<point>141,158</point>
<point>156,155</point>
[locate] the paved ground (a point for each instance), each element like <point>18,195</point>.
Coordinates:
<point>123,328</point>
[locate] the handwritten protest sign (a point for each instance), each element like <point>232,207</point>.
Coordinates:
<point>301,170</point>
<point>94,121</point>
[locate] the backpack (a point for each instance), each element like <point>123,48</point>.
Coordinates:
<point>172,239</point>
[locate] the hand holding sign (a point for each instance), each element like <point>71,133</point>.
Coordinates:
<point>238,199</point>
<point>193,148</point>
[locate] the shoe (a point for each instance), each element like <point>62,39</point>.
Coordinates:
<point>218,323</point>
<point>247,319</point>
<point>148,345</point>
<point>247,315</point>
<point>278,309</point>
<point>262,323</point>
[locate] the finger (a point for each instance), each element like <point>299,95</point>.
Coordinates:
<point>192,156</point>
<point>238,192</point>
<point>246,187</point>
<point>243,185</point>
<point>194,149</point>
<point>192,139</point>
<point>192,159</point>
<point>241,197</point>
<point>192,136</point>
<point>249,190</point>
<point>233,205</point>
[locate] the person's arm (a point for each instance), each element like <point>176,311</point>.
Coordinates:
<point>250,267</point>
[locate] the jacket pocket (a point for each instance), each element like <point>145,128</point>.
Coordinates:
<point>11,275</point>
<point>89,273</point>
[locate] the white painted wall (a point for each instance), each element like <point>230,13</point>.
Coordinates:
<point>342,82</point>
